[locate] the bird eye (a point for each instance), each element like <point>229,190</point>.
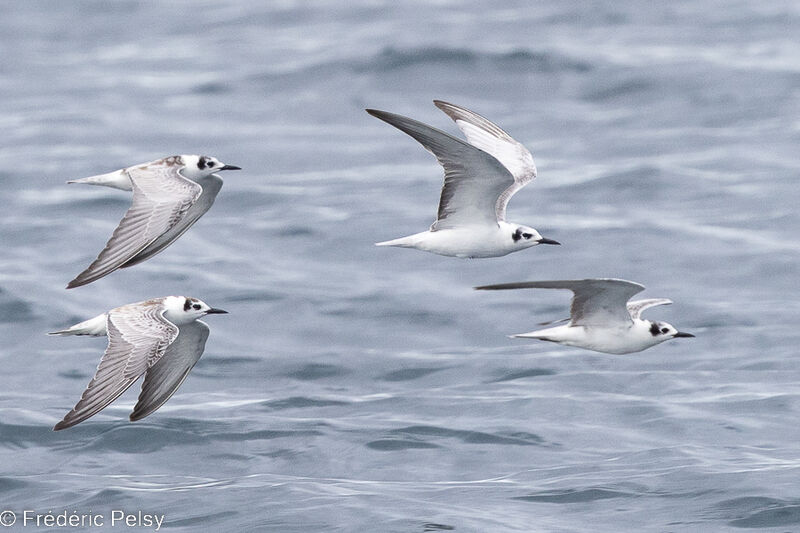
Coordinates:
<point>196,306</point>
<point>664,330</point>
<point>527,235</point>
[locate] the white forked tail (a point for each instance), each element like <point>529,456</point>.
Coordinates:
<point>118,180</point>
<point>95,327</point>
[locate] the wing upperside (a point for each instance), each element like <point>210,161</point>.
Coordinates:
<point>138,335</point>
<point>158,204</point>
<point>489,137</point>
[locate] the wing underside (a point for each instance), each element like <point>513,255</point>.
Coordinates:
<point>599,302</point>
<point>473,179</point>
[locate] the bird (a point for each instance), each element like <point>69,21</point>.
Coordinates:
<point>161,338</point>
<point>169,195</point>
<point>480,177</point>
<point>601,317</point>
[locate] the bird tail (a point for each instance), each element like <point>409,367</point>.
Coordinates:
<point>117,179</point>
<point>95,327</point>
<point>529,335</point>
<point>542,335</point>
<point>404,242</point>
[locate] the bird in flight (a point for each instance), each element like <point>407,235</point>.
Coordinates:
<point>169,195</point>
<point>601,317</point>
<point>480,177</point>
<point>161,339</point>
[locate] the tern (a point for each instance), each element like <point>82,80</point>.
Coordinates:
<point>601,317</point>
<point>161,338</point>
<point>169,195</point>
<point>480,177</point>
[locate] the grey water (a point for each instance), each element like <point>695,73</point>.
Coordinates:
<point>355,388</point>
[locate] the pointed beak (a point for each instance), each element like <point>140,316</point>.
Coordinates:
<point>682,334</point>
<point>215,311</point>
<point>230,167</point>
<point>545,240</point>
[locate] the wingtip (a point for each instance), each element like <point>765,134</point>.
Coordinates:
<point>80,280</point>
<point>76,282</point>
<point>377,113</point>
<point>447,108</point>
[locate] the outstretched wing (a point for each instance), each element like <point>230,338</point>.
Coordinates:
<point>211,186</point>
<point>163,378</point>
<point>636,307</point>
<point>161,197</point>
<point>489,137</point>
<point>138,336</point>
<point>473,179</point>
<point>595,302</point>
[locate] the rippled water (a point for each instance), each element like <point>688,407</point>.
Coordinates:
<point>361,389</point>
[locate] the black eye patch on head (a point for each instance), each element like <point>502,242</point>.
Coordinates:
<point>517,235</point>
<point>203,163</point>
<point>187,304</point>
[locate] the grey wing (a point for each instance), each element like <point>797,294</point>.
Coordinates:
<point>636,307</point>
<point>473,179</point>
<point>554,322</point>
<point>489,137</point>
<point>138,335</point>
<point>598,302</point>
<point>161,197</point>
<point>211,187</point>
<point>163,378</point>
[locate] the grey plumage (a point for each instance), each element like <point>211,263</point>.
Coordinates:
<point>161,339</point>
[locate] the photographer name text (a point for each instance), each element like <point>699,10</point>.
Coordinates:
<point>116,518</point>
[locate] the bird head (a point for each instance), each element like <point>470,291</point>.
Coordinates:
<point>525,237</point>
<point>200,166</point>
